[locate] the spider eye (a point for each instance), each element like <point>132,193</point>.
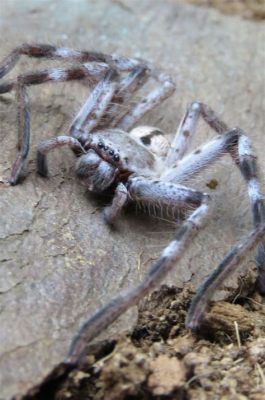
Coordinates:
<point>105,148</point>
<point>100,145</point>
<point>116,157</point>
<point>111,152</point>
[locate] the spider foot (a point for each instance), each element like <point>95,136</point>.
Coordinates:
<point>18,172</point>
<point>109,219</point>
<point>119,200</point>
<point>42,167</point>
<point>260,260</point>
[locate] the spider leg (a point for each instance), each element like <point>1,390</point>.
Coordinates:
<point>121,64</point>
<point>162,193</point>
<point>104,101</point>
<point>156,96</point>
<point>51,144</point>
<point>92,72</point>
<point>23,116</point>
<point>201,158</point>
<point>119,200</point>
<point>95,107</point>
<point>172,253</point>
<point>246,160</point>
<point>66,54</point>
<point>115,116</point>
<point>238,145</point>
<point>187,129</point>
<point>229,264</point>
<point>11,59</point>
<point>103,104</point>
<point>127,87</point>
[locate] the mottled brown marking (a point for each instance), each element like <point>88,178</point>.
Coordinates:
<point>35,78</point>
<point>43,50</point>
<point>76,73</point>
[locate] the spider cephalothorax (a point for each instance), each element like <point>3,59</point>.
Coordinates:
<point>138,164</point>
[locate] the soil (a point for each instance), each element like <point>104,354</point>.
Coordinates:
<point>161,360</point>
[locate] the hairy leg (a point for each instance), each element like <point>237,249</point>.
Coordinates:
<point>62,53</point>
<point>159,193</point>
<point>122,64</point>
<point>91,72</point>
<point>238,145</point>
<point>245,158</point>
<point>51,144</point>
<point>201,158</point>
<point>187,129</point>
<point>95,107</point>
<point>164,89</point>
<point>125,91</point>
<point>23,117</point>
<point>117,306</point>
<point>97,67</point>
<point>119,200</point>
<point>229,264</point>
<point>103,107</point>
<point>120,113</point>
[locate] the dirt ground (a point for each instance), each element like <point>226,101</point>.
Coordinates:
<point>50,274</point>
<point>161,360</point>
